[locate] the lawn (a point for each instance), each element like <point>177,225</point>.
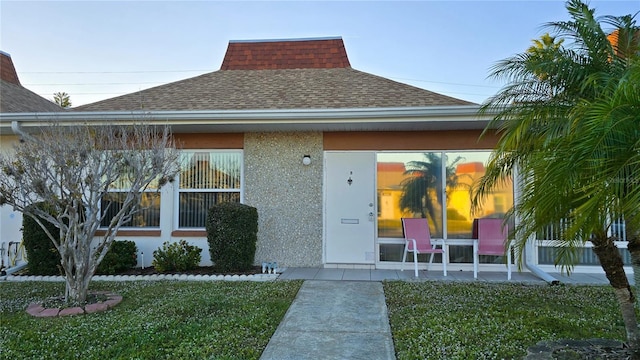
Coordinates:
<point>235,320</point>
<point>438,320</point>
<point>156,320</point>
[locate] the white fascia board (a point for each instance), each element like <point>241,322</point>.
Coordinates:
<point>371,116</point>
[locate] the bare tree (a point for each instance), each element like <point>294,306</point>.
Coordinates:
<point>71,169</point>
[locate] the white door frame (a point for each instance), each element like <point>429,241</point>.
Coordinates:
<point>370,257</point>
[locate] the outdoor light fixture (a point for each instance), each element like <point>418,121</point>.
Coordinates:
<point>306,160</point>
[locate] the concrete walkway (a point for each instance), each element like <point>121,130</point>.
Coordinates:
<point>334,320</point>
<point>342,314</point>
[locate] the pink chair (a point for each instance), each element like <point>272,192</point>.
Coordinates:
<point>491,240</point>
<point>418,241</point>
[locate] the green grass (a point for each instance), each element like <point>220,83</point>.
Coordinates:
<point>156,320</point>
<point>235,320</point>
<point>438,320</point>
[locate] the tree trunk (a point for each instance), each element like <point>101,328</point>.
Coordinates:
<point>76,290</point>
<point>613,266</point>
<point>634,250</point>
<point>633,245</point>
<point>77,276</point>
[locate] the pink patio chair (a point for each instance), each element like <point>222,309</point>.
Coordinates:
<point>491,240</point>
<point>418,241</point>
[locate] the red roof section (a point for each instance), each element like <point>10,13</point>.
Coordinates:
<point>7,70</point>
<point>471,167</point>
<point>391,167</point>
<point>324,53</point>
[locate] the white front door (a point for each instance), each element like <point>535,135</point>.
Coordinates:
<point>350,211</point>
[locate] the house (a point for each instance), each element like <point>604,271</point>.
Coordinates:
<point>319,148</point>
<point>14,98</point>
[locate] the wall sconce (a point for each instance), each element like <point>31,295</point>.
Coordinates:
<point>306,160</point>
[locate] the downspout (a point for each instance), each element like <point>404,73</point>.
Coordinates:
<point>17,129</point>
<point>535,270</point>
<point>529,247</point>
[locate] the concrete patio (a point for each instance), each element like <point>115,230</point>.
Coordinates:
<point>295,273</point>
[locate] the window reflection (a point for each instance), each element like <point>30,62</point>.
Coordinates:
<point>148,206</point>
<point>147,215</point>
<point>469,168</point>
<point>410,184</point>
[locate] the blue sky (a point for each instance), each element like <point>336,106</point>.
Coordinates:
<point>95,50</point>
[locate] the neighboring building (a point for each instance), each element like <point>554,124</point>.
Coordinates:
<point>14,98</point>
<point>244,132</point>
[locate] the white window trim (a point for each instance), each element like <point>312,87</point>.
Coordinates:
<point>177,190</point>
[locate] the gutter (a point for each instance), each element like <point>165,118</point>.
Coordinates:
<point>269,114</point>
<point>459,117</point>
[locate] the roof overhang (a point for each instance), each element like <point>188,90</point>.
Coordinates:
<point>226,121</point>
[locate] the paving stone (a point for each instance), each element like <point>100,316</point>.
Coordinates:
<point>113,301</point>
<point>93,308</point>
<point>34,309</point>
<point>71,311</point>
<point>48,313</point>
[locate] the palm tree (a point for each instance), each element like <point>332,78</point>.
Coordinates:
<point>568,119</point>
<point>422,191</point>
<point>545,48</point>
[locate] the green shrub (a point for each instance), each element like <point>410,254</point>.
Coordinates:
<point>43,257</point>
<point>178,256</point>
<point>232,233</point>
<point>122,255</point>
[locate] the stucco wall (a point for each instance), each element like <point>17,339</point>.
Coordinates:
<point>287,194</point>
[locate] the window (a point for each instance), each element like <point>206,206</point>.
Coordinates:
<point>148,213</point>
<point>434,185</point>
<point>207,178</point>
<point>547,256</point>
<point>409,185</point>
<point>147,216</point>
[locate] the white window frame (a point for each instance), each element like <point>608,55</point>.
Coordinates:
<point>126,227</point>
<point>178,191</point>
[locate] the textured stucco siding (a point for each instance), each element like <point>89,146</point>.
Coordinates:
<point>287,194</point>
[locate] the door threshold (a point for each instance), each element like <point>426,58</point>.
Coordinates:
<point>350,266</point>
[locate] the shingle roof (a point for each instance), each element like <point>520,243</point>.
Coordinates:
<point>16,99</point>
<point>13,97</point>
<point>264,75</point>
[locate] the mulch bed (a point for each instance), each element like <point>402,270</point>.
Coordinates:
<point>201,270</point>
<point>592,349</point>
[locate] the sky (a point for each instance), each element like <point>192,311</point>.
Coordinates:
<point>94,50</point>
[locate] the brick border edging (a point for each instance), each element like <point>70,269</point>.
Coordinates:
<point>37,310</point>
